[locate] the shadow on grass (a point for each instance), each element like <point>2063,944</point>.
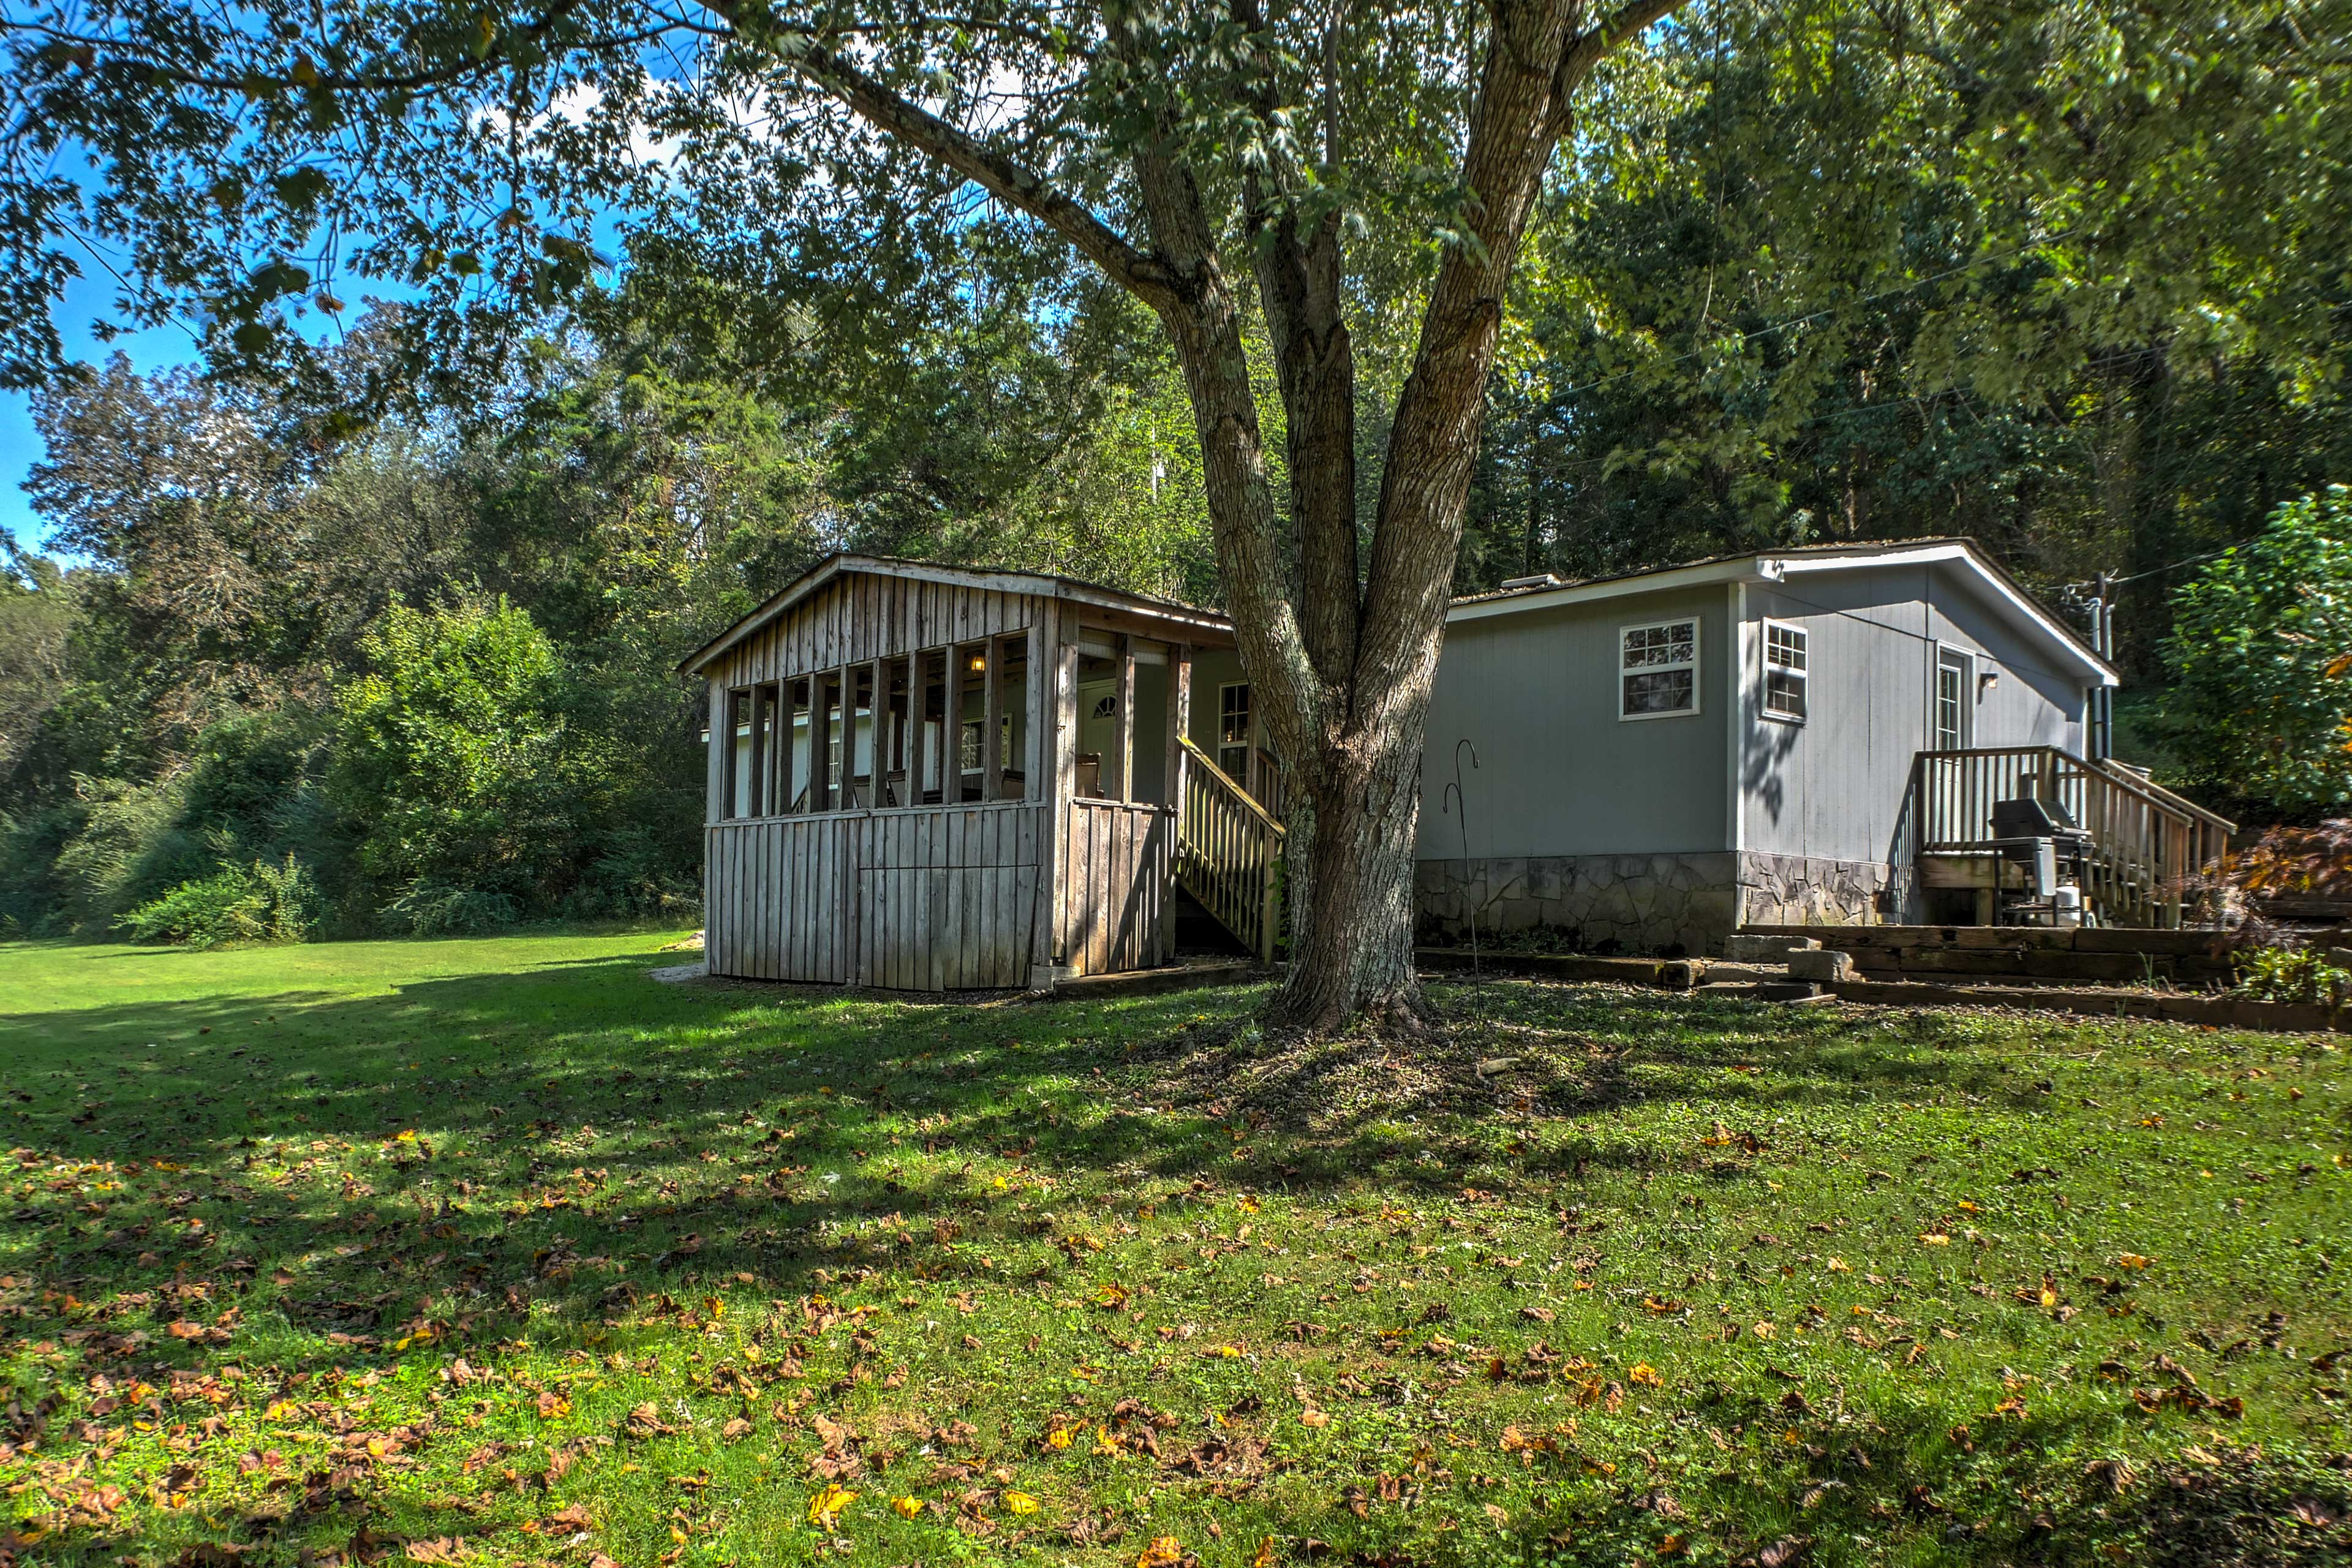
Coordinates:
<point>557,1107</point>
<point>588,1141</point>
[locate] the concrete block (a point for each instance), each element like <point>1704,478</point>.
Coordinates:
<point>1749,947</point>
<point>1820,967</point>
<point>1789,991</point>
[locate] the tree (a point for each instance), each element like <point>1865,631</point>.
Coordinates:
<point>2260,653</point>
<point>1805,293</point>
<point>454,757</point>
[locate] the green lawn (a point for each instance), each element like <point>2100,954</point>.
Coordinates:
<point>497,1251</point>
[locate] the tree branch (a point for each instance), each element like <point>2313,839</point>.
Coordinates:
<point>1525,90</point>
<point>1594,45</point>
<point>1146,277</point>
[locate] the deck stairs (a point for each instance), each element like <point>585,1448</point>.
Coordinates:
<point>1229,852</point>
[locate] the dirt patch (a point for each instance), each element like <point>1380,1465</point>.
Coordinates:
<point>1330,1085</point>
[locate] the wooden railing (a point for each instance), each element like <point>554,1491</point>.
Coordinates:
<point>1228,849</point>
<point>2147,845</point>
<point>1265,782</point>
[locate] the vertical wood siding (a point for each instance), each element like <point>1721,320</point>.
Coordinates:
<point>927,899</point>
<point>862,616</point>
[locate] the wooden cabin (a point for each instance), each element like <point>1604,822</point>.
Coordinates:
<point>926,778</point>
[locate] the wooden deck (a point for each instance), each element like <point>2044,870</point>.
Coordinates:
<point>2149,847</point>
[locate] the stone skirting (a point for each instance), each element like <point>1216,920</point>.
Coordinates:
<point>1797,889</point>
<point>1685,904</point>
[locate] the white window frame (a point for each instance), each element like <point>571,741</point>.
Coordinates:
<point>1697,663</point>
<point>1249,728</point>
<point>1963,660</point>
<point>1804,672</point>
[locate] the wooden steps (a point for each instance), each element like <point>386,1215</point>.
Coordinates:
<point>1229,851</point>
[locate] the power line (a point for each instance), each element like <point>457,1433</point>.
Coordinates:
<point>2175,566</point>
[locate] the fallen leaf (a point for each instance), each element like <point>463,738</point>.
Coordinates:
<point>826,1506</point>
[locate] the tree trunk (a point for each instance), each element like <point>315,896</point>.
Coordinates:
<point>1351,922</point>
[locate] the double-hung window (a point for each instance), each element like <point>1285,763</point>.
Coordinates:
<point>1233,731</point>
<point>1657,674</point>
<point>1785,662</point>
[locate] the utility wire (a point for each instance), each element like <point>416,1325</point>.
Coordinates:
<point>2175,566</point>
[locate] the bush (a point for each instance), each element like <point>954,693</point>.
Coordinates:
<point>427,908</point>
<point>2260,653</point>
<point>454,762</point>
<point>255,903</point>
<point>2289,859</point>
<point>2292,974</point>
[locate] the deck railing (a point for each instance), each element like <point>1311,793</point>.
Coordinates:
<point>2148,844</point>
<point>1228,849</point>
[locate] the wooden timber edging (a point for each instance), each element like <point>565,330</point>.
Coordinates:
<point>1150,981</point>
<point>1683,974</point>
<point>2024,955</point>
<point>1668,974</point>
<point>2220,1012</point>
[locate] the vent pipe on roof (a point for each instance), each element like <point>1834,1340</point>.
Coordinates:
<point>1540,579</point>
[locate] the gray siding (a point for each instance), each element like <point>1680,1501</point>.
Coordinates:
<point>1559,772</point>
<point>1832,787</point>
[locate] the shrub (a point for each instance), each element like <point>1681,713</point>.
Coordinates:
<point>2292,974</point>
<point>2260,653</point>
<point>453,761</point>
<point>258,903</point>
<point>427,908</point>
<point>2292,859</point>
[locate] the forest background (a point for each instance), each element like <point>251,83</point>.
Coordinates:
<point>273,668</point>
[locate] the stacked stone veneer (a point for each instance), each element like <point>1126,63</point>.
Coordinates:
<point>1645,903</point>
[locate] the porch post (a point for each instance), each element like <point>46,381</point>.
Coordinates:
<point>1179,716</point>
<point>919,705</point>
<point>1122,757</point>
<point>881,731</point>
<point>1042,784</point>
<point>1179,722</point>
<point>820,739</point>
<point>756,786</point>
<point>991,723</point>
<point>848,677</point>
